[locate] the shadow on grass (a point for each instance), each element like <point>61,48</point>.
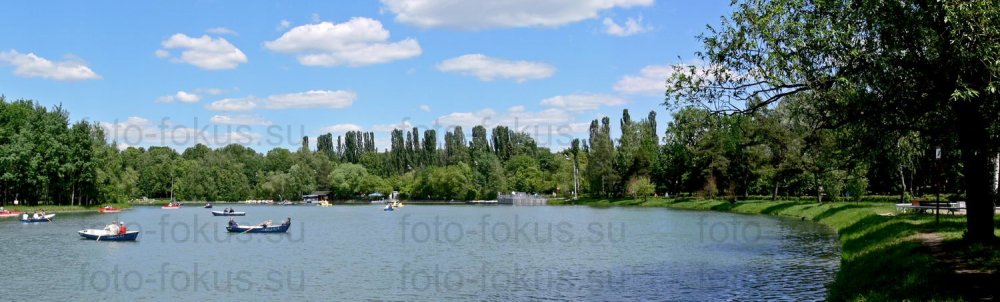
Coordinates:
<point>682,200</point>
<point>895,272</point>
<point>778,207</point>
<point>724,206</point>
<point>836,209</point>
<point>878,234</point>
<point>878,264</point>
<point>883,263</point>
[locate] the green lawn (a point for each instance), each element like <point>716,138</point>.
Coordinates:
<point>883,257</point>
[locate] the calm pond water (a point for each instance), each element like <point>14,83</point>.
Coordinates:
<point>355,253</point>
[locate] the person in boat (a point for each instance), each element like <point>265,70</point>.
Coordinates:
<point>232,223</point>
<point>265,224</point>
<point>288,220</point>
<point>113,228</point>
<point>122,228</point>
<point>24,216</point>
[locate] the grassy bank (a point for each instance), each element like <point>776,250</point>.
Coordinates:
<point>885,256</point>
<point>63,208</point>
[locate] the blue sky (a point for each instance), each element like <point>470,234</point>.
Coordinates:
<point>264,73</point>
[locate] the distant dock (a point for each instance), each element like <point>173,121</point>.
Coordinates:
<point>522,199</point>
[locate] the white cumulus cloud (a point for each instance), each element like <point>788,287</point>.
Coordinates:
<point>582,102</point>
<point>485,117</point>
<point>650,80</point>
<point>312,99</point>
<point>357,42</point>
<point>240,120</point>
<point>205,52</point>
<point>402,125</point>
<point>487,69</point>
<point>473,15</point>
<point>222,31</point>
<point>299,100</point>
<point>234,104</point>
<point>180,96</point>
<point>632,26</point>
<point>340,128</point>
<point>31,65</point>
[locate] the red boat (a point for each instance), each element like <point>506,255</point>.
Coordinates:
<point>172,206</point>
<point>7,213</point>
<point>109,209</point>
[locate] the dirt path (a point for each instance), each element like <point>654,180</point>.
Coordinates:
<point>972,283</point>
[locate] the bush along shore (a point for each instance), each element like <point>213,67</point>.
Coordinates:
<point>885,255</point>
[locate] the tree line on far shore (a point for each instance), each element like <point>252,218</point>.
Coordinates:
<point>47,160</point>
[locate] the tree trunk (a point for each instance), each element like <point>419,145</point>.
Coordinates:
<point>774,193</point>
<point>977,165</point>
<point>902,182</point>
<point>996,174</point>
<point>819,188</point>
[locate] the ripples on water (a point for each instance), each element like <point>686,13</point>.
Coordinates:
<point>363,253</point>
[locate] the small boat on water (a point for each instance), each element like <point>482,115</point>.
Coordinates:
<point>325,204</point>
<point>37,218</point>
<point>265,227</point>
<point>227,213</point>
<point>8,213</point>
<point>388,207</point>
<point>172,206</point>
<point>208,205</point>
<point>109,209</point>
<point>286,203</point>
<point>396,204</point>
<point>103,235</point>
<point>110,233</point>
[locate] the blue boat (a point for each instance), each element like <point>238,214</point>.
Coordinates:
<point>234,227</point>
<point>104,235</point>
<point>46,218</point>
<point>388,208</point>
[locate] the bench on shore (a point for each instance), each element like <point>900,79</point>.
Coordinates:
<point>923,207</point>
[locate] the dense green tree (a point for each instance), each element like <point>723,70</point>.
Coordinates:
<point>600,171</point>
<point>324,145</point>
<point>456,148</point>
<point>347,180</point>
<point>877,66</point>
<point>524,174</point>
<point>428,153</point>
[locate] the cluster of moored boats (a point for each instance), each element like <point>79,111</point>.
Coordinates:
<point>117,231</point>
